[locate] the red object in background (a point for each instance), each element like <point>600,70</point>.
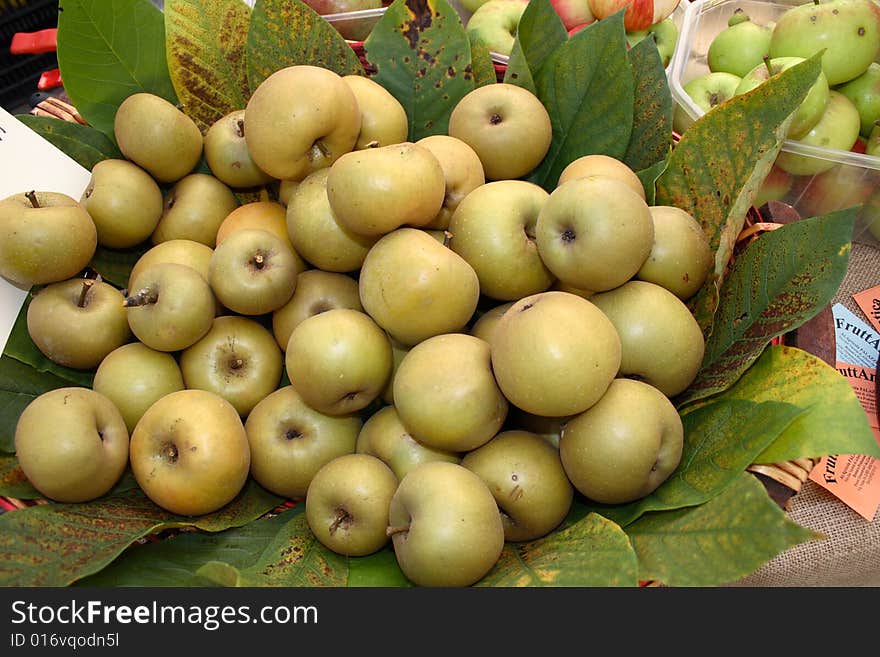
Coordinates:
<point>34,43</point>
<point>49,79</point>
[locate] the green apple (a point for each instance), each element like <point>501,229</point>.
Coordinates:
<point>71,444</point>
<point>415,287</point>
<point>170,306</point>
<point>317,234</point>
<point>706,91</point>
<point>847,30</point>
<point>597,164</point>
<point>739,47</point>
<point>266,215</point>
<point>237,359</point>
<point>487,321</point>
<point>554,353</point>
<point>383,119</point>
<point>157,136</point>
<point>445,526</point>
<point>77,322</point>
<point>384,436</point>
<point>594,232</point>
<point>462,170</point>
<point>124,202</point>
<point>525,474</point>
<point>872,147</point>
<point>290,441</point>
<point>372,191</point>
<point>398,351</point>
<point>495,22</point>
<point>194,209</point>
<point>661,342</point>
<point>133,376</point>
<point>299,119</point>
<point>339,360</point>
<point>347,504</point>
<point>664,35</point>
<point>837,129</point>
<point>316,291</point>
<point>681,258</point>
<point>253,271</point>
<point>446,394</point>
<point>864,92</point>
<point>227,155</point>
<point>189,452</point>
<point>507,126</point>
<point>493,229</point>
<point>811,108</point>
<point>623,447</point>
<point>45,237</point>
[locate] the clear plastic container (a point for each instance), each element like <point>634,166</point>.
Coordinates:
<point>849,178</point>
<point>356,25</point>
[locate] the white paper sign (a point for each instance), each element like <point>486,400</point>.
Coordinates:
<point>29,162</point>
<point>857,341</point>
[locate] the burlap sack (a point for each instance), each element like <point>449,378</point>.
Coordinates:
<point>849,555</point>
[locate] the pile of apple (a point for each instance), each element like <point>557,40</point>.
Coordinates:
<point>841,111</point>
<point>465,350</point>
<point>494,22</point>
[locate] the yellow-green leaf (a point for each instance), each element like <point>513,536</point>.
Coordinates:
<point>288,32</point>
<point>718,542</point>
<point>833,421</point>
<point>590,552</point>
<point>205,44</point>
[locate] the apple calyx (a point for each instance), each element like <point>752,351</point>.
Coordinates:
<point>343,519</point>
<point>169,452</point>
<point>239,128</point>
<point>318,150</point>
<point>32,197</point>
<point>142,297</point>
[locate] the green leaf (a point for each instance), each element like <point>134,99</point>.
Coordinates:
<point>539,32</point>
<point>718,542</point>
<point>482,64</point>
<point>175,559</point>
<point>114,265</point>
<point>19,385</point>
<point>108,52</point>
<point>13,482</point>
<point>834,420</point>
<point>422,57</point>
<point>293,558</point>
<point>648,178</point>
<point>82,143</point>
<point>377,569</point>
<point>721,440</point>
<point>590,552</point>
<point>205,44</point>
<point>651,138</point>
<point>57,544</point>
<point>20,347</point>
<point>777,283</point>
<point>588,88</point>
<point>717,167</point>
<point>289,32</point>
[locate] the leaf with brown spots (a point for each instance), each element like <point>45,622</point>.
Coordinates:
<point>289,32</point>
<point>13,482</point>
<point>57,544</point>
<point>539,32</point>
<point>777,283</point>
<point>423,57</point>
<point>593,551</point>
<point>294,558</point>
<point>718,542</point>
<point>651,138</point>
<point>717,167</point>
<point>205,45</point>
<point>834,420</point>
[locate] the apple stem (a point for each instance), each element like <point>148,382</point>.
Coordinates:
<point>342,516</point>
<point>390,531</point>
<point>141,298</point>
<point>447,236</point>
<point>32,197</point>
<point>86,286</point>
<point>766,59</point>
<point>372,144</point>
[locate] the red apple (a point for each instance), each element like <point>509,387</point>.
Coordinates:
<point>574,13</point>
<point>640,14</point>
<point>580,26</point>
